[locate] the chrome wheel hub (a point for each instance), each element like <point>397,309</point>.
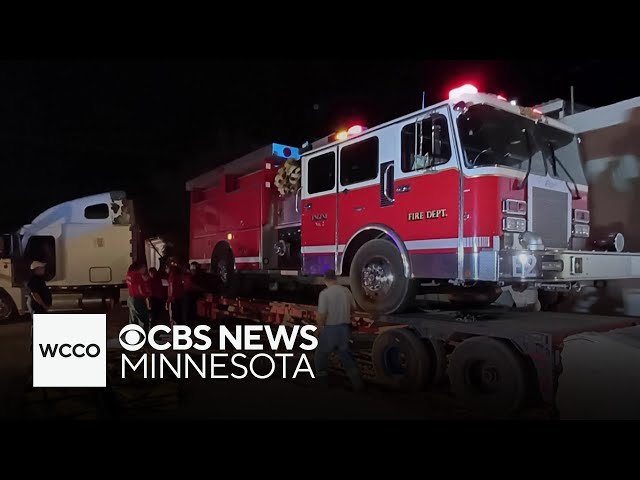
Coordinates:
<point>377,278</point>
<point>222,271</point>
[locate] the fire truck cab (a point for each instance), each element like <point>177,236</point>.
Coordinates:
<point>465,196</point>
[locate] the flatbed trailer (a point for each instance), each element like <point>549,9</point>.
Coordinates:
<point>496,361</point>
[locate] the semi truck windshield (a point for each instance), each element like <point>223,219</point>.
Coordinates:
<point>491,137</point>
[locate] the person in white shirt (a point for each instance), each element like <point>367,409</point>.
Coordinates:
<point>334,330</point>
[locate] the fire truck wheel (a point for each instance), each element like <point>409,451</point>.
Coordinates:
<point>8,309</point>
<point>377,279</point>
<point>401,360</point>
<point>488,375</point>
<point>223,269</point>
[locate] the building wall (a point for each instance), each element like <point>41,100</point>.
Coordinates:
<point>610,144</point>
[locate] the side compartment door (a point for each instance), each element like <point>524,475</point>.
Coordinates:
<point>319,208</point>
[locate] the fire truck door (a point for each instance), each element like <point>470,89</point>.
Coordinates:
<point>427,191</point>
<point>365,183</point>
<point>319,212</point>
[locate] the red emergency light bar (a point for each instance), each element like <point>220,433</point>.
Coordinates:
<point>350,132</point>
<point>467,88</point>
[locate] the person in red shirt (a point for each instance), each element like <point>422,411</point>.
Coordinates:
<point>138,293</point>
<point>157,298</point>
<point>175,295</point>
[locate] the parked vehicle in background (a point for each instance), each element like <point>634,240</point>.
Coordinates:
<point>87,243</point>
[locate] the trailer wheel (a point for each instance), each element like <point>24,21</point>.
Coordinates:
<point>8,308</point>
<point>488,375</point>
<point>377,279</point>
<point>401,360</point>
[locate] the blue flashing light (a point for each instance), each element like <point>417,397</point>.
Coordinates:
<point>284,151</point>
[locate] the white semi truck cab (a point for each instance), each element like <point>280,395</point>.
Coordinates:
<point>87,243</point>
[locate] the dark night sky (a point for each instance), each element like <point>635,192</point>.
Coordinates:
<point>76,128</point>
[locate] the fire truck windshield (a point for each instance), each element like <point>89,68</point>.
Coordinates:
<point>493,137</point>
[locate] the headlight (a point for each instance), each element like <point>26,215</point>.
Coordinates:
<point>514,207</point>
<point>582,231</point>
<point>581,216</point>
<point>512,224</point>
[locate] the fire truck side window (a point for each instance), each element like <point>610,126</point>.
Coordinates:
<point>321,175</point>
<point>411,160</point>
<point>359,162</point>
<point>43,249</point>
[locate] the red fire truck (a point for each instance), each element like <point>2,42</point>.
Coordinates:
<point>463,197</point>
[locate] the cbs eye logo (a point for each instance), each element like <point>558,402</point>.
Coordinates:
<point>132,337</point>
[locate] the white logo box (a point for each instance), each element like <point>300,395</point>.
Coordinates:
<point>75,347</point>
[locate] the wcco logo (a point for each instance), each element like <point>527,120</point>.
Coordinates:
<point>69,350</point>
<point>78,350</point>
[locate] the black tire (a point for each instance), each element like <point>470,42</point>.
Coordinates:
<point>223,270</point>
<point>401,360</point>
<point>549,301</point>
<point>8,309</point>
<point>489,376</point>
<point>391,297</point>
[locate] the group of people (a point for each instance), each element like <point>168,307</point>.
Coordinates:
<point>148,298</point>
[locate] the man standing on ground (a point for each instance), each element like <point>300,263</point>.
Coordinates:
<point>138,294</point>
<point>175,295</point>
<point>157,298</point>
<point>39,299</point>
<point>334,329</point>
